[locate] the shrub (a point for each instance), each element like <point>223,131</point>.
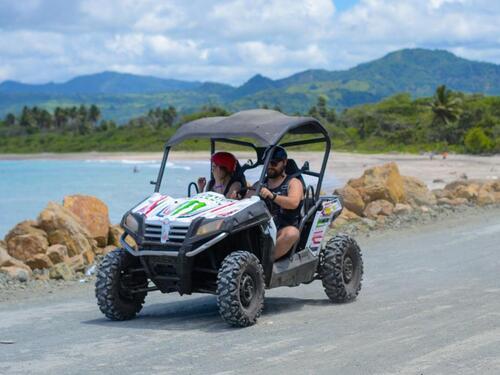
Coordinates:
<point>476,141</point>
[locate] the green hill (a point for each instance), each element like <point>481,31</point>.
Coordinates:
<point>122,96</point>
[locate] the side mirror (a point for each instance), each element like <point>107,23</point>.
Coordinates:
<point>305,167</point>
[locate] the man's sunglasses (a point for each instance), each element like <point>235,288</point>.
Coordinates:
<point>274,163</point>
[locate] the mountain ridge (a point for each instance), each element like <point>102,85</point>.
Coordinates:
<point>416,71</point>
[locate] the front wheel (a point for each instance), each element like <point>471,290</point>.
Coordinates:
<point>341,268</point>
<point>240,289</point>
<point>116,286</point>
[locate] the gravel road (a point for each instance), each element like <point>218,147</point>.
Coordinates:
<point>430,304</point>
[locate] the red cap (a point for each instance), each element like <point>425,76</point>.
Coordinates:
<point>224,159</point>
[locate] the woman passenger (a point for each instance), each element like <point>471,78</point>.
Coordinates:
<point>225,180</point>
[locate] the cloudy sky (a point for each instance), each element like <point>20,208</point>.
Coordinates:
<point>229,41</point>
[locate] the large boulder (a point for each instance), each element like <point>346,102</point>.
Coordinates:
<point>4,255</point>
<point>457,183</point>
<point>440,193</point>
<point>115,232</point>
<point>451,202</point>
<point>77,263</point>
<point>7,261</point>
<point>39,261</point>
<point>381,182</point>
<point>344,217</point>
<point>61,271</point>
<point>25,240</point>
<point>351,199</point>
<point>93,215</point>
<point>64,228</point>
<point>469,192</point>
<point>417,193</point>
<point>489,193</point>
<point>57,253</point>
<point>402,209</point>
<point>378,207</point>
<point>18,273</point>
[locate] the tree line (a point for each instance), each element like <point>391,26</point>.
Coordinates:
<point>78,120</point>
<point>448,121</point>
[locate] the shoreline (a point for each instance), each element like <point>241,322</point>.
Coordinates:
<point>196,154</point>
<point>436,172</point>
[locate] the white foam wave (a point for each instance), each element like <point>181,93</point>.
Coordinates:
<point>144,163</point>
<point>123,161</point>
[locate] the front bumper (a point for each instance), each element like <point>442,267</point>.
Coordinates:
<point>171,253</point>
<point>170,270</point>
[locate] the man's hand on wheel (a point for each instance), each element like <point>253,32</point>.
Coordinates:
<point>265,193</point>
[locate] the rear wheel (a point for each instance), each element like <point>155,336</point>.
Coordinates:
<point>341,268</point>
<point>240,289</point>
<point>115,284</point>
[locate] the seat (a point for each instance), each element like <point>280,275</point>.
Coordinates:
<point>293,169</point>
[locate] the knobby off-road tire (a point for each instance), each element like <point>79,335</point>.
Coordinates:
<point>341,268</point>
<point>112,290</point>
<point>240,289</point>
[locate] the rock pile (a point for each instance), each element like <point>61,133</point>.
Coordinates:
<point>64,240</point>
<point>382,192</point>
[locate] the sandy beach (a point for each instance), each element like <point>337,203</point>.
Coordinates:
<point>434,172</point>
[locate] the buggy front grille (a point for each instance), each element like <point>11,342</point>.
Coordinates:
<point>176,234</point>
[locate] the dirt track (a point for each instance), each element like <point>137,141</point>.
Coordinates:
<point>430,304</point>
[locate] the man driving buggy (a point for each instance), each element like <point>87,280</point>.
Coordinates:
<point>284,195</point>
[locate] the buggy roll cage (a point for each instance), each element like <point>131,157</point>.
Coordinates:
<point>267,126</point>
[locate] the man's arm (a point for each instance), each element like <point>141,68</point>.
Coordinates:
<point>290,202</point>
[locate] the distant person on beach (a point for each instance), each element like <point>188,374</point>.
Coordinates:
<point>227,180</point>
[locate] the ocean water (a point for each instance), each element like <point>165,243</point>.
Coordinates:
<point>26,186</point>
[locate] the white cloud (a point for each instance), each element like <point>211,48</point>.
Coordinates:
<point>436,4</point>
<point>129,45</point>
<point>281,20</point>
<point>231,40</point>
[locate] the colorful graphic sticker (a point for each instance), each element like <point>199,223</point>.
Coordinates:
<point>321,222</point>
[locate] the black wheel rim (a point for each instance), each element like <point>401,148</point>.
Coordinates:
<point>247,289</point>
<point>348,269</point>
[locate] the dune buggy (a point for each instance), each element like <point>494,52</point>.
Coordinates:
<point>206,243</point>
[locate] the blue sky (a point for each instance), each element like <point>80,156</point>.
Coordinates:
<point>231,40</point>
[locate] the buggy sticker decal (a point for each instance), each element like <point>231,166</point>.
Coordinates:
<point>320,225</point>
<point>165,229</point>
<point>150,204</point>
<point>165,210</point>
<point>189,207</point>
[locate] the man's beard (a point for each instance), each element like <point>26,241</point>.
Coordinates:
<point>273,172</point>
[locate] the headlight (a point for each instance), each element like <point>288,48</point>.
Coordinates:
<point>209,227</point>
<point>132,223</point>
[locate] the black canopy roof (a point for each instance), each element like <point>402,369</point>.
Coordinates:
<point>264,125</point>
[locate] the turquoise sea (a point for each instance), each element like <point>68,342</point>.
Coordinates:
<point>26,186</point>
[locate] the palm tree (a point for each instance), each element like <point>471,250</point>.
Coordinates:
<point>447,110</point>
<point>94,113</point>
<point>60,117</point>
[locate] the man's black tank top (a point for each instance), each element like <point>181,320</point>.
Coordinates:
<point>283,217</point>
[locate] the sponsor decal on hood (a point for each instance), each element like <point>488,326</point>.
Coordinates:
<point>163,208</point>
